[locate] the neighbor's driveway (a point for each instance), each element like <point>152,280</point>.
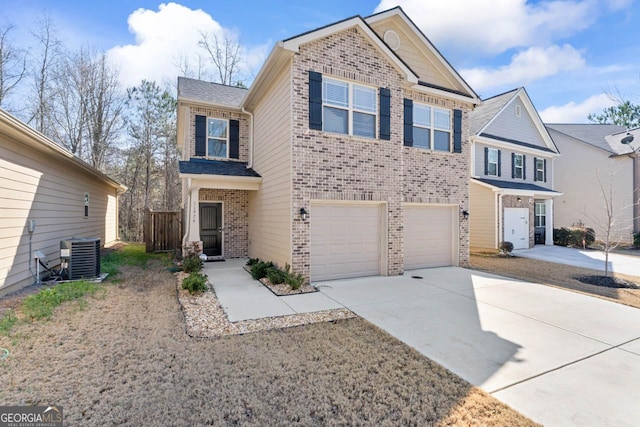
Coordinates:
<point>624,264</point>
<point>558,357</point>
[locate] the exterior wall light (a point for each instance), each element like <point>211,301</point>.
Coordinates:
<point>465,214</point>
<point>304,214</point>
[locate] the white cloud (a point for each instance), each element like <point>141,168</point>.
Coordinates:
<point>526,66</point>
<point>165,37</point>
<point>573,112</point>
<point>494,26</point>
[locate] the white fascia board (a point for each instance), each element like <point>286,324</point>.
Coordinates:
<point>533,113</point>
<point>294,44</point>
<point>201,103</point>
<point>224,182</point>
<point>513,147</point>
<point>445,94</point>
<point>504,107</point>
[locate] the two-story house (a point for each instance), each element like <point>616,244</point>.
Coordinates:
<point>348,156</point>
<point>512,158</point>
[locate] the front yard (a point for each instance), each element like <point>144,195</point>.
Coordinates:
<point>123,358</point>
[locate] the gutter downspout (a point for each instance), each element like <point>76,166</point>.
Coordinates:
<point>250,162</point>
<point>500,219</point>
<point>188,214</point>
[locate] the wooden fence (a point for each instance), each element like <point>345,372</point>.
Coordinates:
<point>162,231</point>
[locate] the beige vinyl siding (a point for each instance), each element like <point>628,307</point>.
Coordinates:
<point>482,216</point>
<point>270,207</point>
<point>582,199</point>
<point>35,186</point>
<point>523,128</point>
<point>421,60</point>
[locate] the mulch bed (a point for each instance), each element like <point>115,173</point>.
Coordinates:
<point>608,282</point>
<point>283,289</point>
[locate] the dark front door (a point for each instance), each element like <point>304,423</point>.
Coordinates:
<point>211,228</point>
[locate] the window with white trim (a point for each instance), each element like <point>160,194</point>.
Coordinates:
<point>492,161</point>
<point>217,138</point>
<point>518,166</point>
<point>540,214</point>
<point>539,169</point>
<point>349,108</point>
<point>431,127</point>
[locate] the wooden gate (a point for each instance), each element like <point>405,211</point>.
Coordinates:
<point>163,231</point>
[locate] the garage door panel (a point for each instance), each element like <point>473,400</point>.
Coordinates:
<point>345,241</point>
<point>428,236</point>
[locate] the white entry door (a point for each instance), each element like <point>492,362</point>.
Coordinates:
<point>516,227</point>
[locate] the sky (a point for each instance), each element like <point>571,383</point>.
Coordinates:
<point>568,54</point>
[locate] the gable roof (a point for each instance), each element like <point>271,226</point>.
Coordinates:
<point>210,93</point>
<point>20,131</point>
<point>594,134</point>
<point>483,115</point>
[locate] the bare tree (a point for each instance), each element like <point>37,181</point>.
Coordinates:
<point>193,67</point>
<point>13,65</point>
<point>225,54</point>
<point>50,46</point>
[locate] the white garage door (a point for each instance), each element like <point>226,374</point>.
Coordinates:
<point>429,238</point>
<point>516,227</point>
<point>345,241</point>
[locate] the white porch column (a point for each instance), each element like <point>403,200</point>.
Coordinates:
<point>194,215</point>
<point>549,222</point>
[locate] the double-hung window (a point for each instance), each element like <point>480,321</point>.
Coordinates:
<point>217,137</point>
<point>349,108</point>
<point>540,175</point>
<point>431,127</point>
<point>492,161</point>
<point>518,166</point>
<point>540,214</point>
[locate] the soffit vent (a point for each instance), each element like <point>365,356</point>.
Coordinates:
<point>392,39</point>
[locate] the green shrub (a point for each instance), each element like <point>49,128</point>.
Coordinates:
<point>192,264</point>
<point>561,236</point>
<point>636,240</point>
<point>276,276</point>
<point>506,248</point>
<point>259,269</point>
<point>253,261</point>
<point>573,236</point>
<point>195,283</point>
<point>295,280</point>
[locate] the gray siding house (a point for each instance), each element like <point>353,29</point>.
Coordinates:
<point>348,156</point>
<point>511,194</point>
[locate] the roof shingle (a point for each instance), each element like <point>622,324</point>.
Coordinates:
<point>216,167</point>
<point>211,93</point>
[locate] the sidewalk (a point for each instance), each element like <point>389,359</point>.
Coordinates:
<point>243,298</point>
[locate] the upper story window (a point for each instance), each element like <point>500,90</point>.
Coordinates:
<point>492,162</point>
<point>431,127</point>
<point>217,137</point>
<point>518,166</point>
<point>348,108</point>
<point>541,173</point>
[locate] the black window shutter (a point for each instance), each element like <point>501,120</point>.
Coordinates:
<point>457,131</point>
<point>486,161</point>
<point>499,163</point>
<point>408,122</point>
<point>315,100</point>
<point>513,165</point>
<point>524,167</point>
<point>545,170</point>
<point>535,168</point>
<point>201,136</point>
<point>385,113</point>
<point>234,139</point>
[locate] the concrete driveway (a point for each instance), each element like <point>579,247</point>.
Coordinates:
<point>624,264</point>
<point>559,357</point>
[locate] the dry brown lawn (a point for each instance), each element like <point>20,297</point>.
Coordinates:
<point>559,275</point>
<point>124,359</point>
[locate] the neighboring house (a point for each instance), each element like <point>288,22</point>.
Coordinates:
<point>512,174</point>
<point>594,160</point>
<point>64,197</point>
<point>348,156</point>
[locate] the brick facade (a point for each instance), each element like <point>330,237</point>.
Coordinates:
<point>235,219</point>
<point>341,167</point>
<point>219,114</point>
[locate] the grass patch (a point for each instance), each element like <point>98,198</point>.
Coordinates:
<point>41,305</point>
<point>7,321</point>
<point>133,254</point>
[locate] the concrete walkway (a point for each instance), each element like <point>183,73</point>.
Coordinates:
<point>624,264</point>
<point>243,298</point>
<point>558,357</point>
